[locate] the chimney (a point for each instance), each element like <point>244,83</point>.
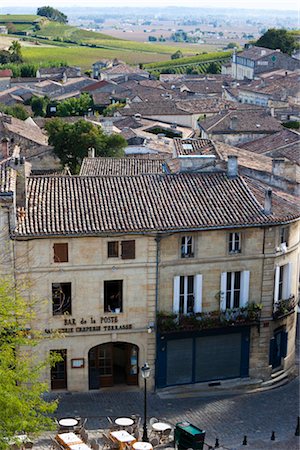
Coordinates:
<point>272,111</point>
<point>268,202</point>
<point>18,164</point>
<point>233,123</point>
<point>232,166</point>
<point>91,152</point>
<point>5,149</point>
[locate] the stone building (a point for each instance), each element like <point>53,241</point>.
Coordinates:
<point>196,273</point>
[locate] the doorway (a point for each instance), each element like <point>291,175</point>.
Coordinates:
<point>278,349</point>
<point>114,363</point>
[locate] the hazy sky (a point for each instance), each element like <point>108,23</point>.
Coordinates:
<point>253,4</point>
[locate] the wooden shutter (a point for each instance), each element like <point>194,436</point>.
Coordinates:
<point>272,349</point>
<point>223,291</point>
<point>198,293</point>
<point>245,278</point>
<point>60,253</point>
<point>276,284</point>
<point>176,288</point>
<point>128,249</point>
<point>287,278</point>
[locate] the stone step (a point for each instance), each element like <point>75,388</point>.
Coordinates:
<point>275,380</point>
<point>277,374</point>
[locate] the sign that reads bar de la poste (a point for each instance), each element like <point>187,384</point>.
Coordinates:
<point>105,324</point>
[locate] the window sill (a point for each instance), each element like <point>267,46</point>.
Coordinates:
<point>235,252</point>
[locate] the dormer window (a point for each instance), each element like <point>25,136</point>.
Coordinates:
<point>187,250</point>
<point>234,242</point>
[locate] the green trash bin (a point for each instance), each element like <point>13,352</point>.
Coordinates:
<point>187,436</point>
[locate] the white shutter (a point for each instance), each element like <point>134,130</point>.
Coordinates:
<point>223,291</point>
<point>176,287</point>
<point>287,280</point>
<point>245,279</point>
<point>276,284</point>
<point>198,293</point>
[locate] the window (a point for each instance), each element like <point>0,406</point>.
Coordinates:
<point>282,285</point>
<point>284,235</point>
<point>187,294</point>
<point>113,249</point>
<point>113,296</point>
<point>187,247</point>
<point>234,242</point>
<point>128,249</point>
<point>61,298</point>
<point>234,289</point>
<point>60,253</point>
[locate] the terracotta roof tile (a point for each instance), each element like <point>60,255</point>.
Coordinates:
<point>193,146</point>
<point>7,177</point>
<point>145,203</point>
<point>120,166</point>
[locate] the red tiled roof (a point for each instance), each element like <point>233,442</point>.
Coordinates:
<point>120,166</point>
<point>145,203</point>
<point>193,146</point>
<point>6,73</point>
<point>7,176</point>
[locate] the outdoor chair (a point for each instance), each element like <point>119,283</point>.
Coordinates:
<point>165,436</point>
<point>154,442</point>
<point>108,442</point>
<point>94,444</point>
<point>153,420</point>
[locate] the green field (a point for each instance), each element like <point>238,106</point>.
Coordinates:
<point>85,56</point>
<point>19,18</point>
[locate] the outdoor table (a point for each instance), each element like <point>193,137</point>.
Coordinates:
<point>124,421</point>
<point>68,422</point>
<point>67,439</point>
<point>142,446</point>
<point>161,426</point>
<point>82,446</point>
<point>122,437</point>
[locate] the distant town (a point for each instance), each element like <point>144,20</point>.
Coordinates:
<point>149,222</point>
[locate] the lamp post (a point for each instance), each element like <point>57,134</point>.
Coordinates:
<point>145,374</point>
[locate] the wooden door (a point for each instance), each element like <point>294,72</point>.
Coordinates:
<point>132,364</point>
<point>59,371</point>
<point>105,364</point>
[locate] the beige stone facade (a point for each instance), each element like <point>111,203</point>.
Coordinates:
<point>87,269</point>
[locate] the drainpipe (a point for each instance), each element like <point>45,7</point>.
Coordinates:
<point>157,239</point>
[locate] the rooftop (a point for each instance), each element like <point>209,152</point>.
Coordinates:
<point>83,205</point>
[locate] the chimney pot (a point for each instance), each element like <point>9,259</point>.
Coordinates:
<point>5,149</point>
<point>268,201</point>
<point>232,166</point>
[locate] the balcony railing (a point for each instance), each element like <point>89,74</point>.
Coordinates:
<point>284,307</point>
<point>167,322</point>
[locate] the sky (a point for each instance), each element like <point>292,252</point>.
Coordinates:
<point>253,4</point>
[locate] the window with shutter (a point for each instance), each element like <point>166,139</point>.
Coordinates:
<point>61,253</point>
<point>128,249</point>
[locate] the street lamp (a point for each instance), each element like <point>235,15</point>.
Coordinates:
<point>145,374</point>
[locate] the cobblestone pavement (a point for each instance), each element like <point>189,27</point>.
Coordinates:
<point>227,417</point>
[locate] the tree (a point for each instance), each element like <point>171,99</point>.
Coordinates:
<point>71,142</point>
<point>110,109</point>
<point>17,111</point>
<point>39,105</point>
<point>22,407</point>
<point>278,39</point>
<point>213,68</point>
<point>16,52</point>
<point>75,106</point>
<point>177,55</point>
<point>52,14</point>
